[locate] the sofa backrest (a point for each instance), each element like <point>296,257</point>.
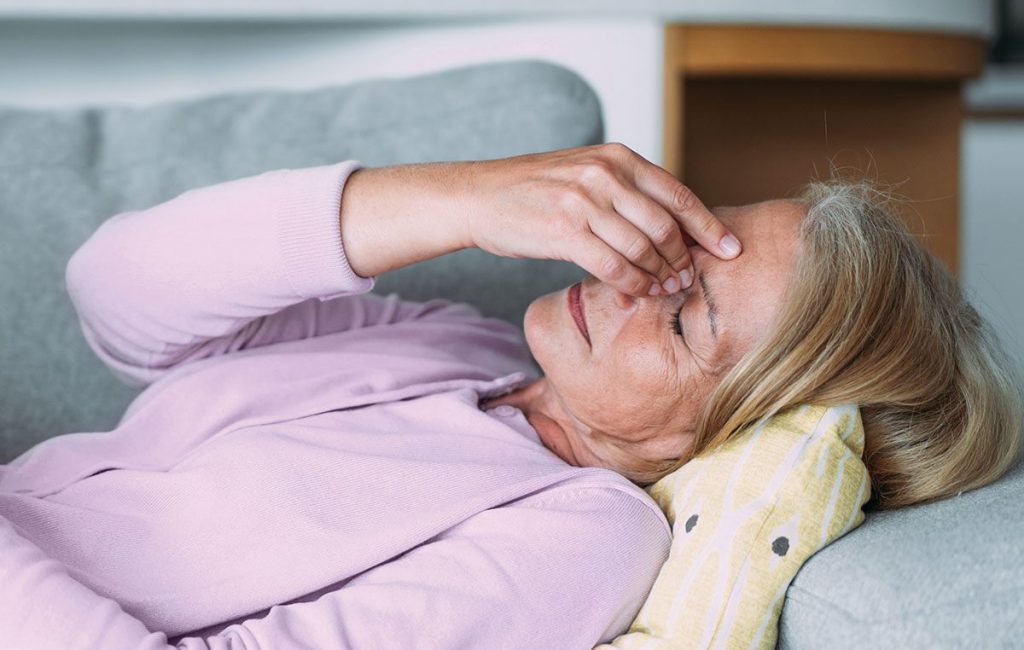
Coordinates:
<point>63,172</point>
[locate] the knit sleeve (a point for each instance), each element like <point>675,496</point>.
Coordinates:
<point>240,264</point>
<point>43,607</point>
<point>566,568</point>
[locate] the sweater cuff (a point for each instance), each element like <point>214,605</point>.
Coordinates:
<point>309,232</point>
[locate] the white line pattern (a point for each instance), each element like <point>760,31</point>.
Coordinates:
<point>756,509</point>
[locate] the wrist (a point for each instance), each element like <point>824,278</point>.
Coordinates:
<point>467,186</point>
<point>443,194</point>
<point>351,216</point>
<point>392,217</point>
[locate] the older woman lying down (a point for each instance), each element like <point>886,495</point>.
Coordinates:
<point>314,466</point>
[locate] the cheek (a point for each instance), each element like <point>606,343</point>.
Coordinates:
<point>638,385</point>
<point>650,366</point>
<point>674,389</point>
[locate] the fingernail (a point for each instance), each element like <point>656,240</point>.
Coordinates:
<point>671,285</point>
<point>655,288</point>
<point>686,277</point>
<point>730,246</point>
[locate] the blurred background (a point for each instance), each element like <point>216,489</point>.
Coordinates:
<point>742,99</point>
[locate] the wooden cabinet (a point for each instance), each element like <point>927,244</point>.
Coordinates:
<point>752,113</point>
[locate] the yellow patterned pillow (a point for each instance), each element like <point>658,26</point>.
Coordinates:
<point>744,519</point>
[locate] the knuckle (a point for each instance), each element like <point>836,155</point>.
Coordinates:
<point>664,231</point>
<point>617,150</point>
<point>683,198</point>
<point>612,267</point>
<point>638,283</point>
<point>595,172</point>
<point>572,200</point>
<point>707,224</point>
<point>639,248</point>
<point>680,260</point>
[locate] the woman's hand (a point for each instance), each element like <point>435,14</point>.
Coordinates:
<point>605,208</point>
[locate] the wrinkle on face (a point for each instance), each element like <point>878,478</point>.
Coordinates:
<point>638,383</point>
<point>702,360</point>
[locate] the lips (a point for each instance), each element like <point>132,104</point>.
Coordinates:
<point>575,299</point>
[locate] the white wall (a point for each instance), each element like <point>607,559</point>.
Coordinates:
<point>992,231</point>
<point>61,64</point>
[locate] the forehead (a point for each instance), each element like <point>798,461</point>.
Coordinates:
<point>749,288</point>
<point>767,229</point>
<point>769,232</point>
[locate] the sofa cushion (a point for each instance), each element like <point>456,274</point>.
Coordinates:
<point>947,574</point>
<point>63,172</point>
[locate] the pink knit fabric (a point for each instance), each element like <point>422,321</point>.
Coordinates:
<point>308,466</point>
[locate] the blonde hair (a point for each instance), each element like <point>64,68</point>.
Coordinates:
<point>872,318</point>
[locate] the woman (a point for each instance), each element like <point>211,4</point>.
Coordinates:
<point>310,467</point>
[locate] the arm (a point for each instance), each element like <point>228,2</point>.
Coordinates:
<point>568,569</point>
<point>44,608</point>
<point>251,262</point>
<point>192,277</point>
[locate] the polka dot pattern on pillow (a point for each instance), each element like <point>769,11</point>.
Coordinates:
<point>745,518</point>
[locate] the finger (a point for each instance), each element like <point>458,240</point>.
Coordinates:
<point>609,266</point>
<point>633,244</point>
<point>684,205</point>
<point>660,228</point>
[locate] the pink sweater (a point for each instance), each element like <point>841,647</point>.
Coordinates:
<point>308,466</point>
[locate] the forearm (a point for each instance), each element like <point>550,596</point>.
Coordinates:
<point>152,286</point>
<point>392,217</point>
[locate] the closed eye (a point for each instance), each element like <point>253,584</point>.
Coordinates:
<point>675,316</point>
<point>675,325</point>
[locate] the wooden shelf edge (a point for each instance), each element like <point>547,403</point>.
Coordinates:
<point>732,51</point>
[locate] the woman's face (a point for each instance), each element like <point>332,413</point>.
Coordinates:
<point>638,380</point>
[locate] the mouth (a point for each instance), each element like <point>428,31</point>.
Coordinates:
<point>575,300</point>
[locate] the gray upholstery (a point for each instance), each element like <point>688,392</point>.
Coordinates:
<point>64,172</point>
<point>944,575</point>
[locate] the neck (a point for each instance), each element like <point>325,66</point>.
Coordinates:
<point>545,412</point>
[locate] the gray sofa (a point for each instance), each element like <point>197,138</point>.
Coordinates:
<point>943,575</point>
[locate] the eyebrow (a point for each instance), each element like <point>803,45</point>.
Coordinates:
<point>710,300</point>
